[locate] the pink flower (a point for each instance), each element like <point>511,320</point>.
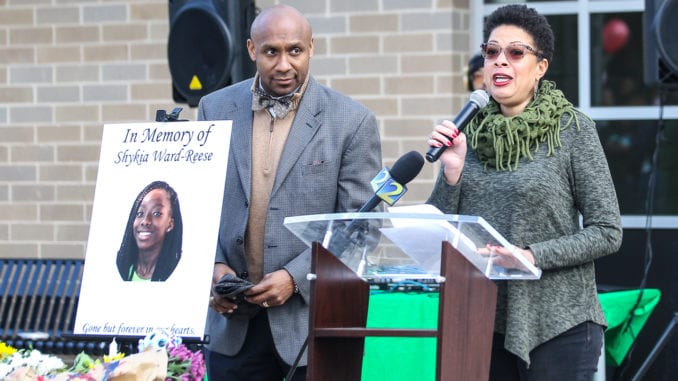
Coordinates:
<point>185,365</point>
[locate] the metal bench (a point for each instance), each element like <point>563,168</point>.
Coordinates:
<point>38,303</point>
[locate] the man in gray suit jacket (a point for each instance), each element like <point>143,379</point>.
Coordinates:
<point>297,148</point>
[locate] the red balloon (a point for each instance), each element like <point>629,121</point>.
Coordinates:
<point>615,35</point>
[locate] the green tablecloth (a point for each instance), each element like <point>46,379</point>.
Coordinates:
<point>398,358</point>
<point>624,327</point>
<point>401,358</point>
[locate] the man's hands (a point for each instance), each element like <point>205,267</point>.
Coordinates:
<point>273,290</point>
<point>219,303</point>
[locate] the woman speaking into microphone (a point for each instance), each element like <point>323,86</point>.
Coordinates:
<point>531,164</point>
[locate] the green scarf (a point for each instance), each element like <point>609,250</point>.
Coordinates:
<point>501,141</point>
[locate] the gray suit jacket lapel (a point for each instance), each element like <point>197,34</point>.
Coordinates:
<point>241,140</point>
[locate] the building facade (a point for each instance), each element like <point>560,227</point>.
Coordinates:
<point>67,67</point>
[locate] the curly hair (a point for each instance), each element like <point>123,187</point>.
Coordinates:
<point>527,19</point>
<point>171,247</point>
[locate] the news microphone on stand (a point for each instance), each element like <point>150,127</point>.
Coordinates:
<point>388,186</point>
<point>478,100</point>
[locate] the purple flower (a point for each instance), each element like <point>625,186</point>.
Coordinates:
<point>185,365</point>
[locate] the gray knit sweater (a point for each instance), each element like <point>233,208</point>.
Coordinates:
<point>538,206</point>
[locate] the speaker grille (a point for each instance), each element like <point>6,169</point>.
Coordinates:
<point>200,52</point>
<point>666,32</point>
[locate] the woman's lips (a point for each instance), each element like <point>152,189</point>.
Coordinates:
<point>501,79</point>
<point>144,234</point>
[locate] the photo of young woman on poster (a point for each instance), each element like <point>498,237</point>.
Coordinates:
<point>151,245</point>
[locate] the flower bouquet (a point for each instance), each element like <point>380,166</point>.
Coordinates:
<point>161,357</point>
<point>13,361</point>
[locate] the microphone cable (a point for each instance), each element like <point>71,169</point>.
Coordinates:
<point>649,210</point>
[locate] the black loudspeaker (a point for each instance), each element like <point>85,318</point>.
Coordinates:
<point>207,46</point>
<point>660,33</point>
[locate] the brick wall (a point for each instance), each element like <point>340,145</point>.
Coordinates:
<point>69,66</point>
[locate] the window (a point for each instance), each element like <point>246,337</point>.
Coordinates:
<point>629,146</point>
<point>617,62</point>
<point>598,64</point>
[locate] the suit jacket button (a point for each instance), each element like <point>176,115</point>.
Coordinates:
<point>239,240</point>
<point>244,275</point>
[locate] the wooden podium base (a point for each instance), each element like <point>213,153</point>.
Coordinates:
<point>338,315</point>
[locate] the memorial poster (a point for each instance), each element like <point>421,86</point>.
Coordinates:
<point>158,194</point>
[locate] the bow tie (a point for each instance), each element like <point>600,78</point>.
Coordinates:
<point>279,107</point>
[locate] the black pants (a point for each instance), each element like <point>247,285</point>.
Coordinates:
<point>257,360</point>
<point>570,356</point>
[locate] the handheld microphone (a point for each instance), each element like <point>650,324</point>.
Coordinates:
<point>479,99</point>
<point>389,185</point>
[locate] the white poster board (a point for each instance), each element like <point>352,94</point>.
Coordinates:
<point>192,158</point>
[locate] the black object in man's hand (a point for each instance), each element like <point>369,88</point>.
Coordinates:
<point>233,288</point>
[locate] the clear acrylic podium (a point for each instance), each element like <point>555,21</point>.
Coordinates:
<point>350,248</point>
